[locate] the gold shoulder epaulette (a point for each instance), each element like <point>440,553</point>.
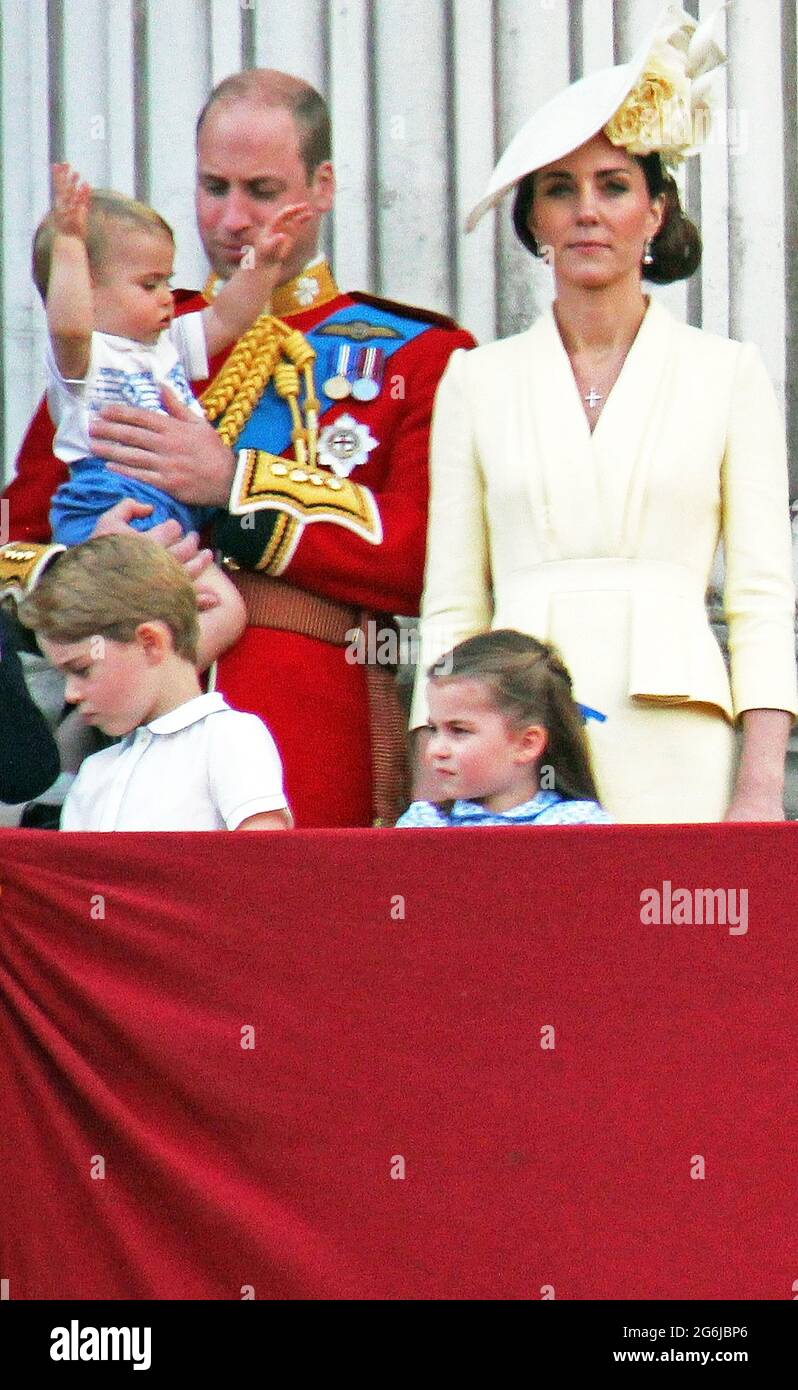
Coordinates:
<point>265,480</point>
<point>21,564</point>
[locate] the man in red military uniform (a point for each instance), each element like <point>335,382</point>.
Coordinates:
<point>327,405</point>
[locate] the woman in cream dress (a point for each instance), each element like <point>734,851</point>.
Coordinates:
<point>584,471</point>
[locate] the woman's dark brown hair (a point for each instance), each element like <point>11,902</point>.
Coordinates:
<point>531,685</point>
<point>676,248</point>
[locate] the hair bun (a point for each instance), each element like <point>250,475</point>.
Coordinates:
<point>676,249</point>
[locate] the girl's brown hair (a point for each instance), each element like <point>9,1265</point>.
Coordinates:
<point>531,685</point>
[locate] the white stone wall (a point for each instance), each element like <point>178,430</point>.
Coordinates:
<point>424,94</point>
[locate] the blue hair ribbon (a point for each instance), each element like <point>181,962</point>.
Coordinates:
<point>588,713</point>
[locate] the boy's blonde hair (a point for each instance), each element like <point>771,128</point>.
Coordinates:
<point>530,684</point>
<point>106,207</point>
<point>106,587</point>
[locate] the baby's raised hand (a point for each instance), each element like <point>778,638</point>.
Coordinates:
<point>276,244</point>
<point>70,201</point>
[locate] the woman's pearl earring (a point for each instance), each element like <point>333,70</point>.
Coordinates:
<point>648,258</point>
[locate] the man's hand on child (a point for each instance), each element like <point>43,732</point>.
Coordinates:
<point>185,548</point>
<point>116,521</point>
<point>275,245</point>
<point>70,199</point>
<point>176,452</point>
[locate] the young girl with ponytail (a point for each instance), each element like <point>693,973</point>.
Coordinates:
<point>505,743</point>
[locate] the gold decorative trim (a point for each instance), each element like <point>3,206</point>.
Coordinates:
<point>312,288</point>
<point>264,480</point>
<point>270,350</point>
<point>275,543</point>
<point>21,565</point>
<point>290,531</point>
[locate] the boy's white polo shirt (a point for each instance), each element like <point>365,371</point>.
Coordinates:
<point>203,766</point>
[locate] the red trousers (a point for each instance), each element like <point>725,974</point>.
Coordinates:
<point>315,705</point>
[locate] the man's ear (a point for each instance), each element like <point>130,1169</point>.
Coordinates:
<point>323,186</point>
<point>155,640</point>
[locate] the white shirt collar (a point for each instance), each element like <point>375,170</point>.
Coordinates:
<point>189,713</point>
<point>527,810</point>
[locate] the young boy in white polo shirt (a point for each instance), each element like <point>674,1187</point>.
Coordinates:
<point>119,617</point>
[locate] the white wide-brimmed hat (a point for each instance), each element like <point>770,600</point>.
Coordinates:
<point>657,102</point>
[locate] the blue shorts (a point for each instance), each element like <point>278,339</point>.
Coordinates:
<point>77,506</point>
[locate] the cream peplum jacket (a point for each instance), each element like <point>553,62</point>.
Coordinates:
<point>539,525</point>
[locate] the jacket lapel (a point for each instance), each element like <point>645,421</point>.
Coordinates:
<point>632,427</point>
<point>561,475</point>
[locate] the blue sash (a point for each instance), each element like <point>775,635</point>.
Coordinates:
<point>269,426</point>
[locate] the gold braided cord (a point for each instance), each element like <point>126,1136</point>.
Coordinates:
<point>238,387</point>
<point>270,349</point>
<point>312,408</point>
<point>297,347</point>
<point>286,384</point>
<point>286,380</point>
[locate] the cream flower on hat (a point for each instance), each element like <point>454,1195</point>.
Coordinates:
<point>667,110</point>
<point>660,100</point>
<point>656,113</point>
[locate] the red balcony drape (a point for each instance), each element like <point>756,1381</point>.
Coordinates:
<point>310,1065</point>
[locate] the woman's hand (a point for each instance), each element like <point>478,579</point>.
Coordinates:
<point>755,807</point>
<point>759,790</point>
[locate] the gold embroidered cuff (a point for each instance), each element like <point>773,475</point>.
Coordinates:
<point>22,564</point>
<point>264,480</point>
<point>282,545</point>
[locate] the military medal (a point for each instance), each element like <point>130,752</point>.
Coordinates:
<point>370,369</point>
<point>345,444</point>
<point>338,386</point>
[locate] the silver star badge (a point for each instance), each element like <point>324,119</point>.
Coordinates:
<point>345,444</point>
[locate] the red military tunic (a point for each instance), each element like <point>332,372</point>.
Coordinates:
<point>314,699</point>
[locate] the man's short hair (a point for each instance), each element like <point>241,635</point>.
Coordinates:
<point>106,587</point>
<point>105,209</point>
<point>269,88</point>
